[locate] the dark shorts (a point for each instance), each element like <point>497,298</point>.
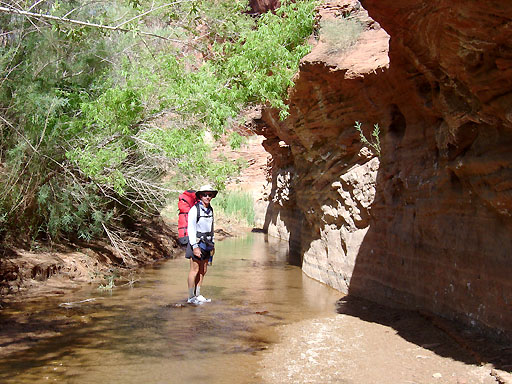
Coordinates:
<point>189,253</point>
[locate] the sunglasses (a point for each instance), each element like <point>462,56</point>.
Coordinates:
<point>208,194</point>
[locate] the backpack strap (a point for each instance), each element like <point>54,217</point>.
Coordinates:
<point>198,208</point>
<point>213,219</point>
<point>187,202</point>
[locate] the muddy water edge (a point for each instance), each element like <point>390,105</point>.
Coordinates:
<point>146,333</point>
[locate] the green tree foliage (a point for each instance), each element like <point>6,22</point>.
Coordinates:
<point>81,148</point>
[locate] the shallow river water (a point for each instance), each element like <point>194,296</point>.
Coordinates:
<point>147,334</point>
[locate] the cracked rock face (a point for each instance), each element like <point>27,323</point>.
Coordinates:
<point>428,223</point>
<point>331,258</point>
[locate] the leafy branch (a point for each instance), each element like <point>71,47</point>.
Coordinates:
<point>374,141</point>
<point>94,25</point>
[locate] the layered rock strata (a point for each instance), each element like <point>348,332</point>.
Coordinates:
<point>427,224</point>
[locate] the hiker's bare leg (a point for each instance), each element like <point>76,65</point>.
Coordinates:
<point>193,273</point>
<point>201,272</point>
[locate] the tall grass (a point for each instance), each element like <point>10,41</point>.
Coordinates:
<point>236,204</point>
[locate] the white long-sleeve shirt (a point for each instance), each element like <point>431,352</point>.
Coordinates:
<point>203,225</point>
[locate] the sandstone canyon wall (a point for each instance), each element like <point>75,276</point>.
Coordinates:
<point>428,223</point>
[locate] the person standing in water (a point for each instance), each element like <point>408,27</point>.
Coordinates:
<point>201,245</point>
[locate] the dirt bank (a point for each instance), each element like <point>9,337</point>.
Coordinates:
<point>49,269</point>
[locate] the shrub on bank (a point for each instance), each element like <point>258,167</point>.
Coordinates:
<point>81,154</point>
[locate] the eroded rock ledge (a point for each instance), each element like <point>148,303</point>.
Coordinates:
<point>428,224</point>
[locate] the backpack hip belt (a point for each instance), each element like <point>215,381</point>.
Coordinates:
<point>204,239</point>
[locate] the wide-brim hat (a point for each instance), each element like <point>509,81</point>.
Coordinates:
<point>206,188</point>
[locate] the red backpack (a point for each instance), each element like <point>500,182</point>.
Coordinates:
<point>186,201</point>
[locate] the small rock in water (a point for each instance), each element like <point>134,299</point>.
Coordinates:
<point>261,312</point>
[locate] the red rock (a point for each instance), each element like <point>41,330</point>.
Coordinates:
<point>437,235</point>
<point>262,6</point>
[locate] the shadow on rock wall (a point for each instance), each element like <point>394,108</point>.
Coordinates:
<point>436,242</point>
<point>283,219</point>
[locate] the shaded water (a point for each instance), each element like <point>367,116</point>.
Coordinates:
<point>146,333</point>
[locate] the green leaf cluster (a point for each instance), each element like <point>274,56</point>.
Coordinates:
<point>74,209</point>
<point>374,142</point>
<point>255,67</point>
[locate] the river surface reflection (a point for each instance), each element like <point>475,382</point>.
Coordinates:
<point>147,334</point>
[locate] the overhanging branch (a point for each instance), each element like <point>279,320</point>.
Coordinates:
<point>93,25</point>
